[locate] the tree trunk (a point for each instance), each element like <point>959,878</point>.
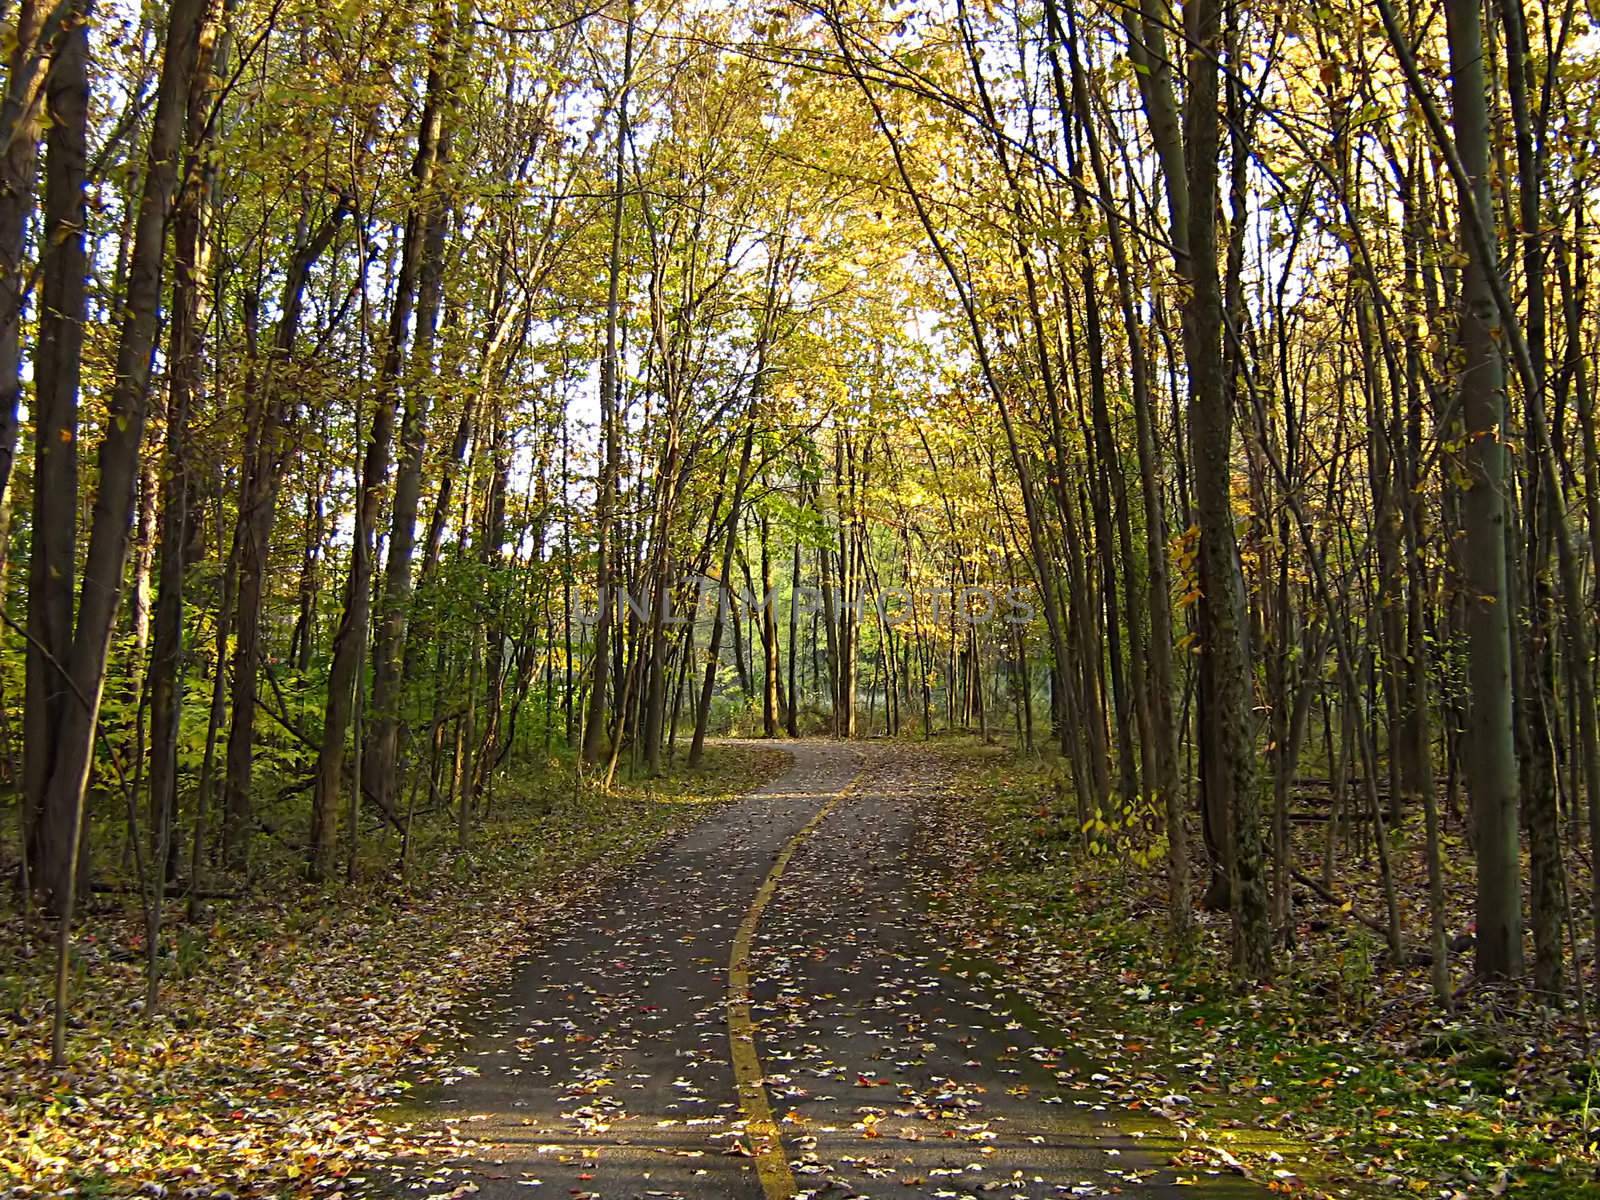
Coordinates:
<point>266,417</point>
<point>18,167</point>
<point>190,306</point>
<point>594,727</point>
<point>1491,765</point>
<point>383,745</point>
<point>57,364</point>
<point>119,461</point>
<point>1223,632</point>
<point>702,713</point>
<point>1158,649</point>
<point>349,643</point>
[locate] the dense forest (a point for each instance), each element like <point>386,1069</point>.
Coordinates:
<point>399,402</point>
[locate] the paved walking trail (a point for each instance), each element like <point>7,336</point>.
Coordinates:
<point>759,1011</point>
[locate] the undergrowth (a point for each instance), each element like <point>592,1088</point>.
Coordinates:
<point>1344,1053</point>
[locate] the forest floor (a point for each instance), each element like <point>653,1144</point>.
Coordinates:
<point>289,1016</point>
<point>1343,1056</point>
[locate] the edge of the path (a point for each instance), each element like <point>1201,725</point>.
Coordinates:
<point>1154,1090</point>
<point>288,1026</point>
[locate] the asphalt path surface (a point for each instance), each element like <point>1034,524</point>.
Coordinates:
<point>759,1010</point>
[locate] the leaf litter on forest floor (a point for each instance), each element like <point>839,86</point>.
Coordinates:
<point>289,1019</point>
<point>1343,1055</point>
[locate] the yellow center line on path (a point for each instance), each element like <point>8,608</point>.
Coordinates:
<point>766,1144</point>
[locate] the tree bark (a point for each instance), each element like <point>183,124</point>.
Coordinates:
<point>594,728</point>
<point>383,746</point>
<point>57,365</point>
<point>190,305</point>
<point>119,461</point>
<point>1491,754</point>
<point>1222,625</point>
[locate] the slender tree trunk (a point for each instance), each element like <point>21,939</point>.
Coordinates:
<point>191,269</point>
<point>1158,651</point>
<point>771,701</point>
<point>57,364</point>
<point>793,727</point>
<point>119,460</point>
<point>595,721</point>
<point>19,116</point>
<point>266,418</point>
<point>383,746</point>
<point>1491,753</point>
<point>349,643</point>
<point>1223,631</point>
<point>730,542</point>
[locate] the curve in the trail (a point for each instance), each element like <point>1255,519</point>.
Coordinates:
<point>758,1011</point>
